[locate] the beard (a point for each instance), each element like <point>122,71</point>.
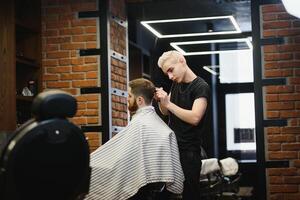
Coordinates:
<point>133,107</point>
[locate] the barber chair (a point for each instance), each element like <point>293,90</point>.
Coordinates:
<point>219,179</point>
<point>151,191</point>
<point>47,157</point>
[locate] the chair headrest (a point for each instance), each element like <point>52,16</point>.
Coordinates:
<point>229,166</point>
<point>54,103</point>
<point>209,165</point>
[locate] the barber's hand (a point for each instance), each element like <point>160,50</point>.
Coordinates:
<point>162,96</point>
<point>155,94</point>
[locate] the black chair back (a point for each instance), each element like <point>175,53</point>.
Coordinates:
<point>47,157</point>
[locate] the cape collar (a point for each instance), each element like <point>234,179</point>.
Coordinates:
<point>144,110</point>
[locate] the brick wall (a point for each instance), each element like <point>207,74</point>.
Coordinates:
<point>63,34</point>
<point>119,68</point>
<point>282,102</point>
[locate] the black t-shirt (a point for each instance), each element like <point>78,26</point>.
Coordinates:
<point>184,95</point>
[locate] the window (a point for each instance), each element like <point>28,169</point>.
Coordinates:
<point>236,67</point>
<point>240,122</point>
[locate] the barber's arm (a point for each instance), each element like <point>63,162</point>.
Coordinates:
<point>160,95</point>
<point>192,116</point>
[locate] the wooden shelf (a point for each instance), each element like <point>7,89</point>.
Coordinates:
<point>22,60</point>
<point>26,62</point>
<point>24,98</point>
<point>22,27</point>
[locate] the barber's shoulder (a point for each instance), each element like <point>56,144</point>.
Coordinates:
<point>200,82</point>
<point>201,85</point>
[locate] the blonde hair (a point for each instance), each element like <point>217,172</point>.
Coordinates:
<point>167,56</point>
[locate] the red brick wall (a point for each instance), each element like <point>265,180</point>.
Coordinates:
<point>282,102</point>
<point>63,34</point>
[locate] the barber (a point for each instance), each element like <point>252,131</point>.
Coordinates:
<point>187,107</point>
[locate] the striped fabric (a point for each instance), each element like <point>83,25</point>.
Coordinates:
<point>144,152</point>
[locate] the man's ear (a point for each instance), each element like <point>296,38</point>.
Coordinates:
<point>139,100</point>
<point>181,60</point>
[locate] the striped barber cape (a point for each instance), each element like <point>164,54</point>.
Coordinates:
<point>144,152</point>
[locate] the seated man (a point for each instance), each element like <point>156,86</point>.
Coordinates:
<point>144,152</point>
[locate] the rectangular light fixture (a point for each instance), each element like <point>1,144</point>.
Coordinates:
<point>176,45</point>
<point>211,70</point>
<point>147,24</point>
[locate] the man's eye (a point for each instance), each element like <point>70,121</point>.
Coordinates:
<point>169,70</point>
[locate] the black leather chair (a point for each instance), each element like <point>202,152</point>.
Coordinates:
<point>151,191</point>
<point>48,157</point>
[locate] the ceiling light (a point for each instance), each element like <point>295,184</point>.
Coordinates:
<point>176,45</point>
<point>147,24</point>
<point>292,7</point>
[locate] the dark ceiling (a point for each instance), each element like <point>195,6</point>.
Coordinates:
<point>168,9</point>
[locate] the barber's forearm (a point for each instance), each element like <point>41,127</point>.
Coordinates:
<point>187,116</point>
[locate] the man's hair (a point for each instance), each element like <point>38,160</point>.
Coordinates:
<point>142,87</point>
<point>167,56</point>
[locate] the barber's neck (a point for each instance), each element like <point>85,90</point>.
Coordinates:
<point>189,76</point>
